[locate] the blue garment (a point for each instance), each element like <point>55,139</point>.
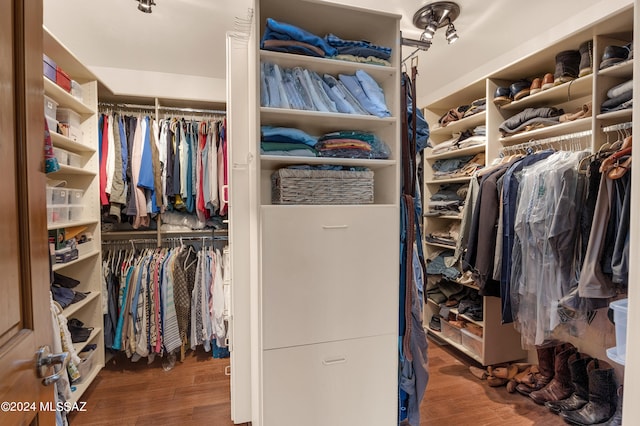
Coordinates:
<point>190,200</point>
<point>295,49</point>
<point>377,51</point>
<point>123,149</point>
<point>368,96</point>
<point>341,104</point>
<point>283,31</point>
<point>286,134</point>
<point>340,91</point>
<point>451,164</point>
<point>145,179</point>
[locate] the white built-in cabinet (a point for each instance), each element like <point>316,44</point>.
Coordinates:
<point>82,176</point>
<point>321,280</point>
<point>500,341</point>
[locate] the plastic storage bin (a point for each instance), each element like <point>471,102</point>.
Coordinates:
<point>450,332</point>
<point>57,214</point>
<point>471,342</point>
<point>620,308</point>
<point>75,196</point>
<point>52,124</point>
<point>75,160</point>
<point>50,107</point>
<point>86,364</point>
<point>75,212</point>
<point>57,196</point>
<point>62,156</point>
<point>69,116</point>
<point>76,90</point>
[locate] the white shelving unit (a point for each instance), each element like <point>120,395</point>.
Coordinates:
<point>500,341</point>
<point>309,268</point>
<point>87,268</point>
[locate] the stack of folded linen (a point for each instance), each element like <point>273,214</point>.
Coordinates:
<point>359,51</point>
<point>286,141</point>
<point>352,144</point>
<point>458,167</point>
<point>449,200</point>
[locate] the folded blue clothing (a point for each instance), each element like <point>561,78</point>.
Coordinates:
<point>280,31</point>
<point>269,133</point>
<point>368,95</point>
<point>336,41</point>
<point>339,88</point>
<point>363,52</point>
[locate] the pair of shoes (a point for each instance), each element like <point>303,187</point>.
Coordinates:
<point>615,54</point>
<point>516,91</point>
<point>547,81</point>
<point>586,58</point>
<point>539,84</point>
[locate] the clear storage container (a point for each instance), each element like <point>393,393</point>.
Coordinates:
<point>472,342</point>
<point>67,115</point>
<point>75,196</point>
<point>450,332</point>
<point>50,107</point>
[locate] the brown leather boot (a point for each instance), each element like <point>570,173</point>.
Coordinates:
<point>578,368</point>
<point>560,387</point>
<point>546,365</point>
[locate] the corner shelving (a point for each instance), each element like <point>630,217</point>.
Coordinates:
<point>87,267</point>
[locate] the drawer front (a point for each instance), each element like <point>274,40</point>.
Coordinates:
<point>328,273</point>
<point>352,382</point>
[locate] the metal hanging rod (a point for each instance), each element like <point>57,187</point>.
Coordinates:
<point>550,140</point>
<point>192,110</point>
<point>161,108</point>
<point>616,127</point>
<point>126,106</point>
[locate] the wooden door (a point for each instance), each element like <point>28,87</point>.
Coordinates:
<point>25,318</point>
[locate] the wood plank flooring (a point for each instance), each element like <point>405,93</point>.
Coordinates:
<point>196,392</point>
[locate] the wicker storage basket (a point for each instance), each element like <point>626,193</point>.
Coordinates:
<point>293,186</point>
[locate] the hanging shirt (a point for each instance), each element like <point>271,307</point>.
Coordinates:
<point>111,156</point>
<point>104,150</point>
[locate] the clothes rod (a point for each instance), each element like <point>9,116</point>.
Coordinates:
<point>192,110</point>
<point>550,140</point>
<point>616,127</point>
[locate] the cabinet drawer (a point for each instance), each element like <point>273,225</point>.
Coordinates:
<point>350,382</point>
<point>328,273</point>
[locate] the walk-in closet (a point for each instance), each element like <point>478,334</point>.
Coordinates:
<point>310,212</point>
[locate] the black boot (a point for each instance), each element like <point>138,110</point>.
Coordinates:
<point>602,396</point>
<point>586,58</point>
<point>578,370</point>
<point>567,66</point>
<point>616,420</point>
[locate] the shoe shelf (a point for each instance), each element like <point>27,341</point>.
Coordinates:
<point>460,125</point>
<point>562,93</point>
<point>75,307</point>
<point>471,150</point>
<point>622,69</point>
<point>94,333</point>
<point>81,258</point>
<point>545,132</point>
<point>467,318</point>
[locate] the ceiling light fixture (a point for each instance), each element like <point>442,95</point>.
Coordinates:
<point>145,5</point>
<point>436,15</point>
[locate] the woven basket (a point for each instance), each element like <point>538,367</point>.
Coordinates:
<point>292,186</point>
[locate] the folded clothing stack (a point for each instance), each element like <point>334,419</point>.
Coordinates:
<point>288,38</point>
<point>62,290</point>
<point>458,167</point>
<point>286,141</point>
<point>619,97</point>
<point>529,119</point>
<point>448,236</point>
<point>298,88</point>
<point>470,137</point>
<point>352,144</point>
<point>449,200</point>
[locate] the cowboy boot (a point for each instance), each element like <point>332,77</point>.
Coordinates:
<point>602,396</point>
<point>578,369</point>
<point>546,363</point>
<point>560,387</point>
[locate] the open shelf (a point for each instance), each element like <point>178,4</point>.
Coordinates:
<point>75,307</point>
<point>81,257</point>
<point>462,179</point>
<point>460,125</point>
<point>457,152</point>
<point>555,130</point>
<point>70,170</point>
<point>64,98</point>
<point>556,95</point>
<point>622,69</point>
<point>94,333</point>
<point>61,141</point>
<point>274,162</point>
<point>323,122</point>
<point>439,336</point>
<point>70,224</point>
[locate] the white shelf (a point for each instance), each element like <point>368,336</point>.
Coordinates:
<point>623,114</point>
<point>622,69</point>
<point>562,93</point>
<point>327,65</point>
<point>70,224</point>
<point>323,122</point>
<point>64,98</point>
<point>457,152</point>
<point>462,179</point>
<point>277,161</point>
<point>69,170</point>
<point>59,266</point>
<point>467,318</point>
<point>75,307</point>
<point>61,141</point>
<point>446,246</point>
<point>460,125</point>
<point>545,132</point>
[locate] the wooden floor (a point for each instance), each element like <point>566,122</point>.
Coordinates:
<point>196,392</point>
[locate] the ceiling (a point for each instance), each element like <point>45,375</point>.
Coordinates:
<point>187,37</point>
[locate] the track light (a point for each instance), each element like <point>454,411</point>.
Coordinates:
<point>437,15</point>
<point>145,5</point>
<point>418,44</point>
<point>451,34</point>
